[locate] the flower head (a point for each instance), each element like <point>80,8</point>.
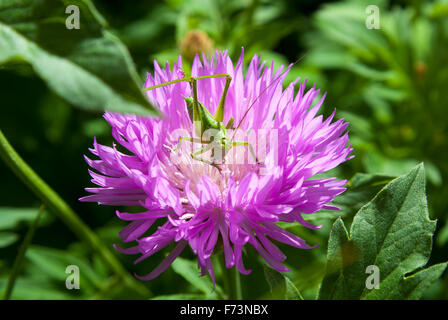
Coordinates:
<point>194,42</point>
<point>237,202</point>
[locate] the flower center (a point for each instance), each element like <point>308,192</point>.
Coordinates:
<point>187,164</point>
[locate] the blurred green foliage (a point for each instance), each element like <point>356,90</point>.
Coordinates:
<point>389,83</point>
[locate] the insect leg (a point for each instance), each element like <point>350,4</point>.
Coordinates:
<point>219,114</point>
<point>197,140</point>
<point>246,144</point>
<point>221,75</point>
<point>187,79</point>
<point>195,154</point>
<point>197,120</point>
<point>229,124</point>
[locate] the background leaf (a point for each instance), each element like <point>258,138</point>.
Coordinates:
<point>393,232</point>
<point>89,67</point>
<point>281,286</point>
<point>53,263</point>
<point>32,289</point>
<point>189,271</point>
<point>11,217</point>
<point>7,238</point>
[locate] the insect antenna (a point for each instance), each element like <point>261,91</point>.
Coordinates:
<point>263,91</point>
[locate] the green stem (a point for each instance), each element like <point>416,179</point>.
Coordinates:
<point>225,276</point>
<point>232,281</point>
<point>235,285</point>
<point>62,210</point>
<point>21,254</point>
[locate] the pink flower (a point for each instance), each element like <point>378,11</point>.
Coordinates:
<point>238,202</point>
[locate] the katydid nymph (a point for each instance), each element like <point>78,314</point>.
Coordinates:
<point>203,121</point>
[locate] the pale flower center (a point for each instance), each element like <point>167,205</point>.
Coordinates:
<point>183,167</point>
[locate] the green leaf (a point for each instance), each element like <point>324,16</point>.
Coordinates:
<point>376,162</point>
<point>358,124</point>
<point>189,271</point>
<point>292,293</point>
<point>281,286</point>
<point>11,217</point>
<point>361,188</point>
<point>413,286</point>
<point>339,255</point>
<point>275,279</point>
<point>7,238</point>
<point>30,289</point>
<point>392,232</point>
<point>54,262</point>
<point>21,253</point>
<point>88,67</point>
<point>442,236</point>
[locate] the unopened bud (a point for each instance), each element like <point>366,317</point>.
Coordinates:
<point>195,42</point>
<point>420,70</point>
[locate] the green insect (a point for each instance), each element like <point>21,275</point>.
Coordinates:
<point>203,120</point>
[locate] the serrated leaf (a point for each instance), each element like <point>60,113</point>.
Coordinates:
<point>413,286</point>
<point>392,232</point>
<point>89,67</point>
